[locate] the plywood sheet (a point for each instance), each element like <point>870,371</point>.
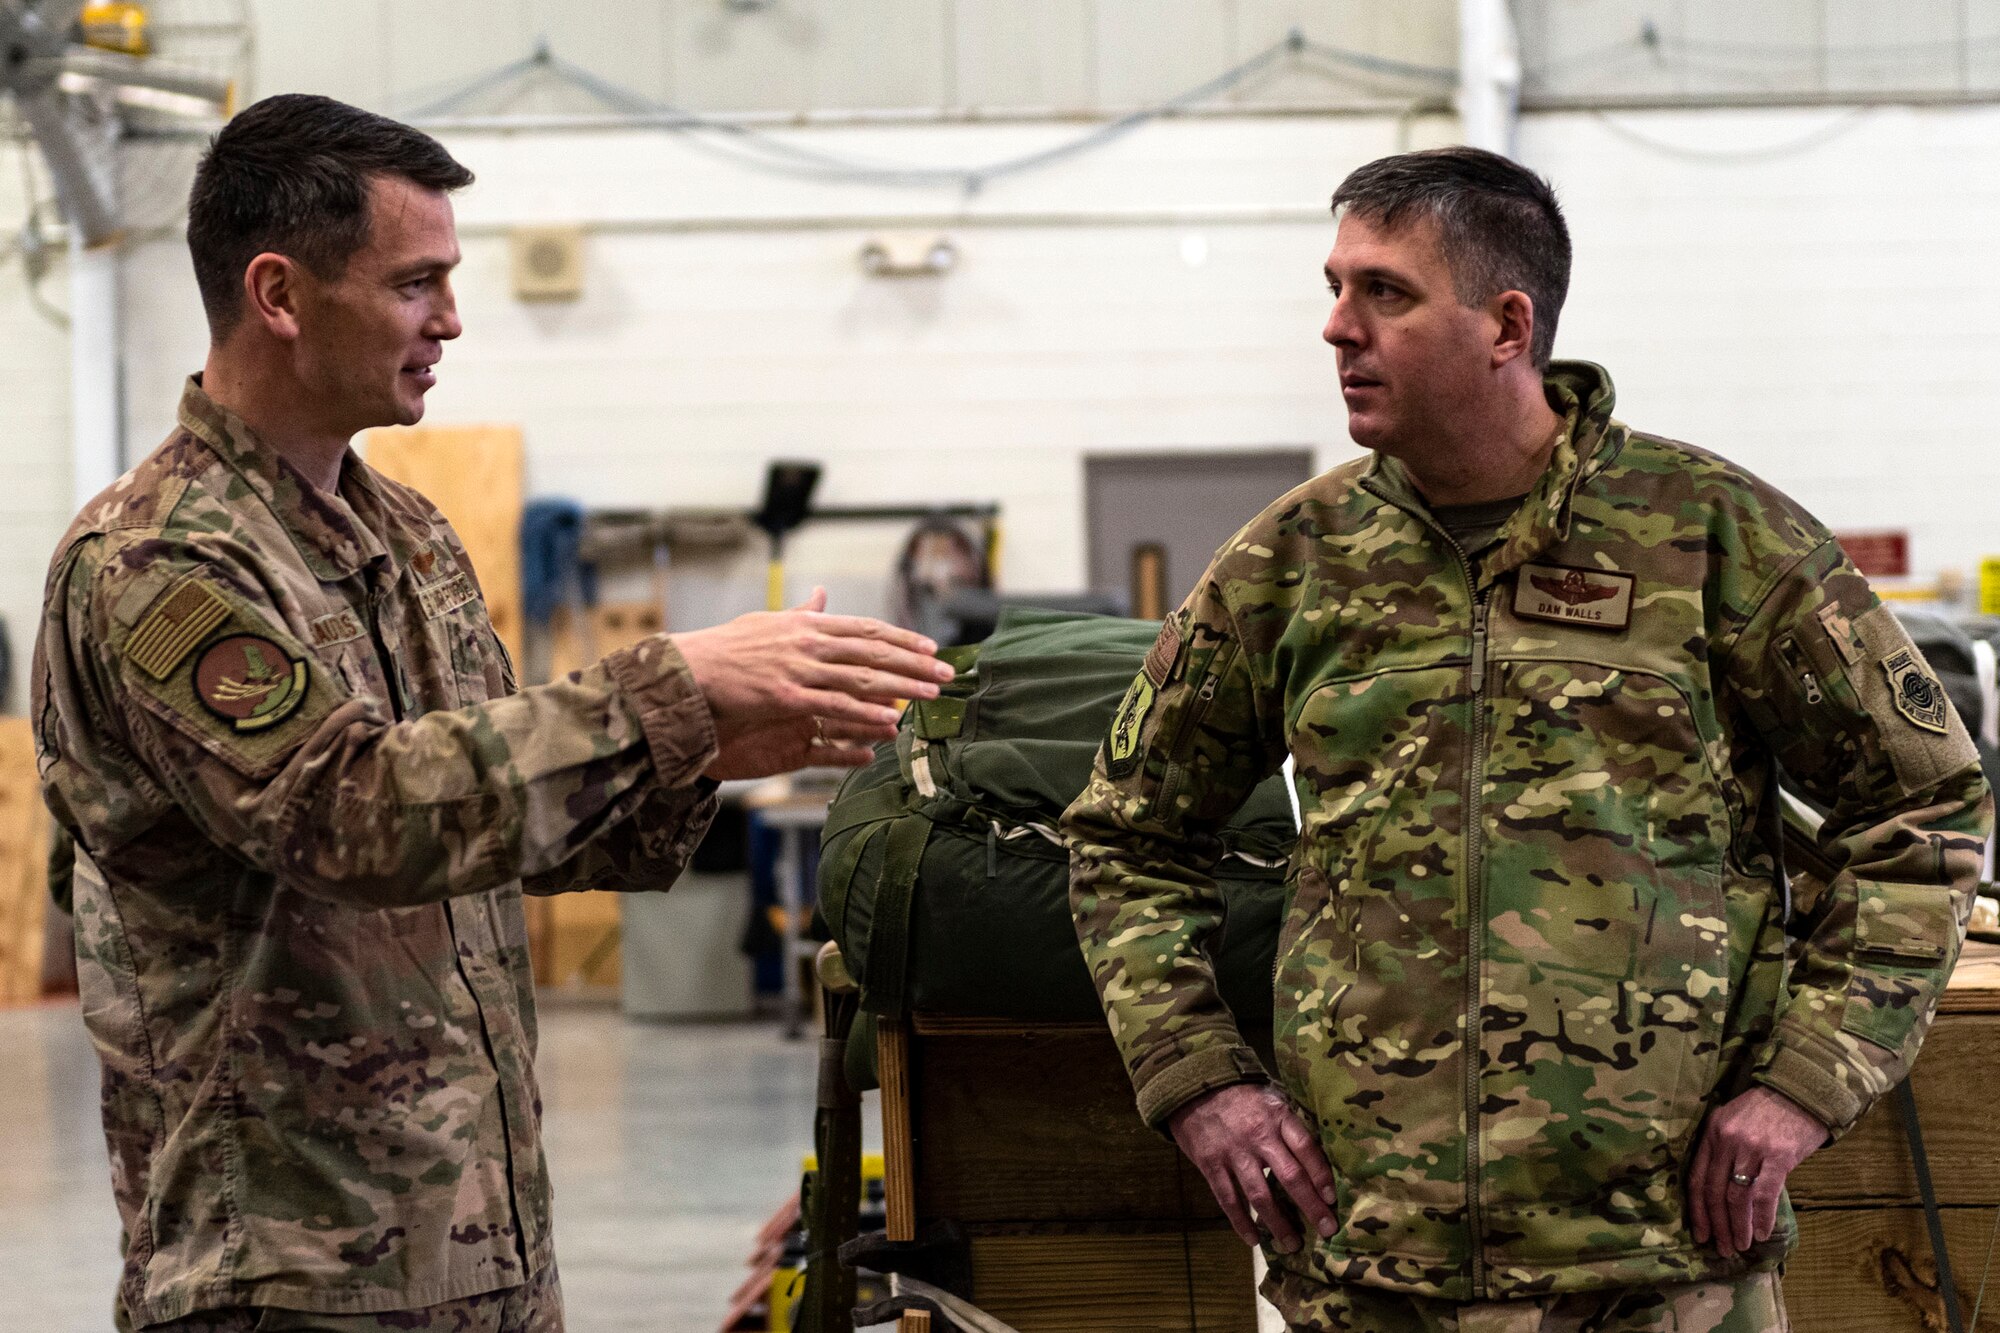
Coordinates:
<point>474,475</point>
<point>24,854</point>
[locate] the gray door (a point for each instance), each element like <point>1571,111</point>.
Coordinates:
<point>1156,519</point>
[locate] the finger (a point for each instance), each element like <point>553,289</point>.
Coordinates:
<point>1764,1203</point>
<point>1317,1175</point>
<point>863,683</point>
<point>1223,1186</point>
<point>1298,1189</point>
<point>865,627</point>
<point>837,707</point>
<point>838,756</point>
<point>1698,1186</point>
<point>1265,1207</point>
<point>888,657</point>
<point>815,603</point>
<point>851,731</point>
<point>1740,1222</point>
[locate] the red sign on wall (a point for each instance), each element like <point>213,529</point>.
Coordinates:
<point>1878,555</point>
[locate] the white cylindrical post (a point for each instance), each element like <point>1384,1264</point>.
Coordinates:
<point>1489,75</point>
<point>97,427</point>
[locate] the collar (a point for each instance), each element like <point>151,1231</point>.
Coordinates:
<point>330,536</point>
<point>1589,438</point>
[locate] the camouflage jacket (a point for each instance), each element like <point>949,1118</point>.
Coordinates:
<point>1538,922</point>
<point>306,795</point>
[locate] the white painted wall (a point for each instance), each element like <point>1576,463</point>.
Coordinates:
<point>704,347</point>
<point>1810,292</point>
<point>34,421</point>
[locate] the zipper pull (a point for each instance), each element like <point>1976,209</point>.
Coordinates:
<point>1207,692</point>
<point>1479,640</point>
<point>1811,682</point>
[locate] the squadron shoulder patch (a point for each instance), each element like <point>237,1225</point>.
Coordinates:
<point>1122,750</point>
<point>1916,693</point>
<point>249,681</point>
<point>175,627</point>
<point>1566,595</point>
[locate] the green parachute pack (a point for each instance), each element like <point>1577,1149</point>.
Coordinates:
<point>942,871</point>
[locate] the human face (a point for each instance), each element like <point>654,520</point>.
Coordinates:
<point>370,340</point>
<point>1414,362</point>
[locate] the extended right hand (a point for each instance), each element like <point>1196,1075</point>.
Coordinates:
<point>765,669</point>
<point>1236,1134</point>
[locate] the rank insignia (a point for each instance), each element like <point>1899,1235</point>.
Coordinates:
<point>1917,693</point>
<point>1590,598</point>
<point>249,681</point>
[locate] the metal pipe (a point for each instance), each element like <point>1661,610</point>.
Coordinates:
<point>1489,75</point>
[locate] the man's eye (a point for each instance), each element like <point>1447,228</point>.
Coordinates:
<point>1383,290</point>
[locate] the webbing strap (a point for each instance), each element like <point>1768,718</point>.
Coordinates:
<point>866,807</point>
<point>889,940</point>
<point>1906,1102</point>
<point>836,879</point>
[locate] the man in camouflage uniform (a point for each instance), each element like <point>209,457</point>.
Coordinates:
<point>307,796</point>
<point>1537,671</point>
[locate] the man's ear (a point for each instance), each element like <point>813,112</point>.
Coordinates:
<point>1514,314</point>
<point>272,285</point>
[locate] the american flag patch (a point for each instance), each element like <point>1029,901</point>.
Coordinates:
<point>176,628</point>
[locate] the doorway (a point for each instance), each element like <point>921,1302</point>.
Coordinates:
<point>1157,519</point>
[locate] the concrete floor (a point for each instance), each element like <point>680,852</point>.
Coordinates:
<point>669,1146</point>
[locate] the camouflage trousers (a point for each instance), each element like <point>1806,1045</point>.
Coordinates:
<point>533,1307</point>
<point>1754,1303</point>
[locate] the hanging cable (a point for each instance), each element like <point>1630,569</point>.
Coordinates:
<point>767,152</point>
<point>1818,137</point>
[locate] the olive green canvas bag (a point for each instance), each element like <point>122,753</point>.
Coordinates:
<point>942,872</point>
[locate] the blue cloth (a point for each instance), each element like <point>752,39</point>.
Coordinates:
<point>551,560</point>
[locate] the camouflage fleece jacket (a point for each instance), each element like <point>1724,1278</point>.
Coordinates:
<point>282,732</point>
<point>1538,924</point>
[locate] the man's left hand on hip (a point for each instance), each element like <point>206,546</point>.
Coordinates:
<point>1748,1147</point>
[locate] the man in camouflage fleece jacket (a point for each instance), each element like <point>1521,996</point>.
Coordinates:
<point>307,796</point>
<point>1535,1004</point>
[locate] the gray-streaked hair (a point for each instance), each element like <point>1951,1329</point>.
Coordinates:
<point>1499,225</point>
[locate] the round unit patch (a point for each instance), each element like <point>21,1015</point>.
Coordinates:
<point>249,681</point>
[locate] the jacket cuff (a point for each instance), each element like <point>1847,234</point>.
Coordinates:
<point>1823,1088</point>
<point>1193,1074</point>
<point>673,713</point>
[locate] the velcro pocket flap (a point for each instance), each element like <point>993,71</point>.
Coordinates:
<point>1914,921</point>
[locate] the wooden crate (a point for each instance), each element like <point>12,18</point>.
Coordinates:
<point>1084,1220</point>
<point>1864,1261</point>
<point>1081,1219</point>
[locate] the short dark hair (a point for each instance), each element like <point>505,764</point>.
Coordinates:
<point>1499,225</point>
<point>290,175</point>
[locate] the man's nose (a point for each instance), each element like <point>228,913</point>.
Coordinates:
<point>445,323</point>
<point>1342,329</point>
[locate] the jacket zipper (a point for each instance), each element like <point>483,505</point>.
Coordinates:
<point>1475,930</point>
<point>1475,909</point>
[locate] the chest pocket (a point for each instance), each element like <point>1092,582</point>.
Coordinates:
<point>461,637</point>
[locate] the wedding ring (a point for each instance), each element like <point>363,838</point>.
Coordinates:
<point>1738,1178</point>
<point>819,731</point>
